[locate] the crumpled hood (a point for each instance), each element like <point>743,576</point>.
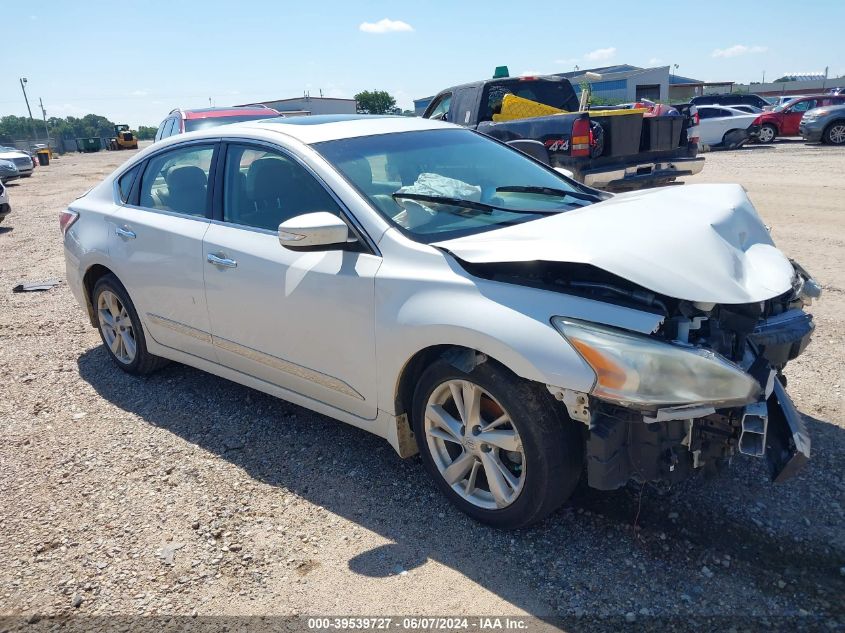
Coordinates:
<point>695,242</point>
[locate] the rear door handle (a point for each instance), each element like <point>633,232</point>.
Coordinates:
<point>125,233</point>
<point>225,262</point>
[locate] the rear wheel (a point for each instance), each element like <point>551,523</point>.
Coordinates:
<point>768,133</point>
<point>120,328</point>
<point>835,133</point>
<point>496,445</point>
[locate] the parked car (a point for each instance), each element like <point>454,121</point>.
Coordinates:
<point>5,207</point>
<point>8,171</point>
<point>406,274</point>
<point>726,127</point>
<point>784,99</point>
<point>606,152</point>
<point>180,121</point>
<point>826,124</point>
<point>731,99</point>
<point>21,159</point>
<point>750,109</point>
<point>785,119</point>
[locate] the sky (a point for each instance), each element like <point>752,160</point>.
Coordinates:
<point>135,61</point>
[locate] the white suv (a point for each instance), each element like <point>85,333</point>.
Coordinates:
<point>454,296</point>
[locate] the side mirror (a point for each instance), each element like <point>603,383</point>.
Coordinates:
<point>313,229</point>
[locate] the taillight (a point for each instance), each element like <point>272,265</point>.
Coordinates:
<point>66,219</point>
<point>696,119</point>
<point>581,137</point>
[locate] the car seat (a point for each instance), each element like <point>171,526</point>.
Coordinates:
<point>187,189</point>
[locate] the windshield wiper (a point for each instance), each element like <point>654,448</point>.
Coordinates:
<point>468,204</point>
<point>550,191</point>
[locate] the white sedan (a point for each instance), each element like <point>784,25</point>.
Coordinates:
<point>448,293</point>
<point>721,126</point>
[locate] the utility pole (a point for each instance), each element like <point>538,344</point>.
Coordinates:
<point>44,114</point>
<point>28,109</point>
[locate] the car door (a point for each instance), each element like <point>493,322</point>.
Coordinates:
<point>711,125</point>
<point>440,108</point>
<point>792,116</point>
<point>300,319</point>
<point>156,246</point>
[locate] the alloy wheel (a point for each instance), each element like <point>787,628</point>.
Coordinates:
<point>474,444</point>
<point>837,134</point>
<point>767,134</point>
<point>116,326</point>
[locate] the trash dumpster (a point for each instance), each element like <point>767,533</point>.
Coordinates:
<point>88,144</point>
<point>43,157</point>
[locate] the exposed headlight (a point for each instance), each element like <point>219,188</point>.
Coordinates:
<point>635,370</point>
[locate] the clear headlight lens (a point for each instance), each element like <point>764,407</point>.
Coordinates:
<point>635,370</point>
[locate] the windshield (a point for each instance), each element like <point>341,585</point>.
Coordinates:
<point>439,184</point>
<point>192,125</point>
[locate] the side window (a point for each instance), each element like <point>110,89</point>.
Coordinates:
<point>706,113</point>
<point>169,130</point>
<point>177,180</point>
<point>125,182</point>
<point>160,131</point>
<point>263,188</point>
<point>441,108</point>
<point>803,106</point>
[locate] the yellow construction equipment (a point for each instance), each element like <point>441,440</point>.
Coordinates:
<point>123,138</point>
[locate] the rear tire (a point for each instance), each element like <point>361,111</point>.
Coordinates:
<point>120,328</point>
<point>534,458</point>
<point>768,133</point>
<point>834,133</point>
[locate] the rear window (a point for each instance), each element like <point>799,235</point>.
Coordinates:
<point>557,94</point>
<point>192,125</point>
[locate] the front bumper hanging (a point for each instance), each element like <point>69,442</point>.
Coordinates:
<point>787,439</point>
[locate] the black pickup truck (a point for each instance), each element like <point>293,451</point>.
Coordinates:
<point>615,153</point>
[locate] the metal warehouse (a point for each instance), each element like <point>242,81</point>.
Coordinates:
<point>311,105</point>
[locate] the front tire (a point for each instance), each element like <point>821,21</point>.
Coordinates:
<point>499,447</point>
<point>834,134</point>
<point>768,134</point>
<point>120,328</point>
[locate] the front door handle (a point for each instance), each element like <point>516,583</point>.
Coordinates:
<point>225,262</point>
<point>125,233</point>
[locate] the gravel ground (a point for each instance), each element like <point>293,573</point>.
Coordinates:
<point>182,493</point>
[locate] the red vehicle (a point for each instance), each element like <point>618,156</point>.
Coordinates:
<point>784,119</point>
<point>180,121</point>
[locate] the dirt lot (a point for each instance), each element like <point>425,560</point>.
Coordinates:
<point>182,493</point>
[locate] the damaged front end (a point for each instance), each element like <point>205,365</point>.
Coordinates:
<point>705,385</point>
<point>711,388</point>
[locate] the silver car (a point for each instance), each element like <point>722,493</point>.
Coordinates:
<point>5,207</point>
<point>8,171</point>
<point>825,124</point>
<point>22,160</point>
<point>456,297</point>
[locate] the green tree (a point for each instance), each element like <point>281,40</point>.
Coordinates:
<point>145,132</point>
<point>374,102</point>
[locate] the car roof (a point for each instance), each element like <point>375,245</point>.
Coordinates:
<point>331,127</point>
<point>210,113</point>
